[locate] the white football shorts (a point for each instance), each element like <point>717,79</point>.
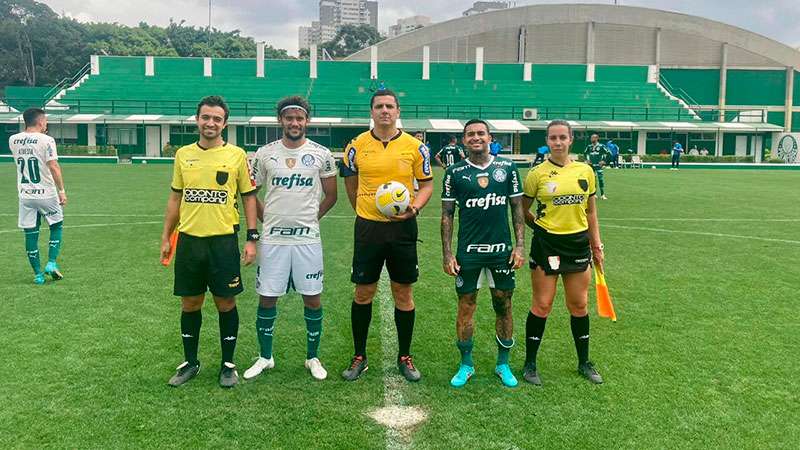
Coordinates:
<point>30,208</point>
<point>283,266</point>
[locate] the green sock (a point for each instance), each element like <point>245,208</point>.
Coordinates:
<point>503,349</point>
<point>465,347</point>
<point>265,325</point>
<point>32,248</point>
<point>55,241</point>
<point>313,330</point>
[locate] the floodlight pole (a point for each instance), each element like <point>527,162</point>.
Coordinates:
<point>208,34</point>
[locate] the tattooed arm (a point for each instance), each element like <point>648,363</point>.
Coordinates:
<point>518,220</point>
<point>449,263</point>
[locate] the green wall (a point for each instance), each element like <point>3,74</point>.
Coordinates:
<point>634,74</point>
<point>178,67</point>
<point>542,73</point>
<point>701,84</point>
<point>756,87</point>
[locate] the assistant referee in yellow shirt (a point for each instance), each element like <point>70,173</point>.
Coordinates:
<point>377,156</point>
<point>206,178</point>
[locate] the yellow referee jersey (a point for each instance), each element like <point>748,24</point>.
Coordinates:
<point>209,180</point>
<point>402,159</point>
<point>562,195</point>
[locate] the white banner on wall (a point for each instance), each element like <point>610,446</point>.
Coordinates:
<point>786,146</point>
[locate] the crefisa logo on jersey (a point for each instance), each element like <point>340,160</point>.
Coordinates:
<point>307,160</point>
<point>499,175</point>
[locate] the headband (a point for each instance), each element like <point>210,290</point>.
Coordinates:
<point>292,107</point>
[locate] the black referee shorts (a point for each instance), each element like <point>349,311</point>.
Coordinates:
<point>560,253</point>
<point>392,243</point>
<point>207,263</point>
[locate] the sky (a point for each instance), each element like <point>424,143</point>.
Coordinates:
<point>276,22</point>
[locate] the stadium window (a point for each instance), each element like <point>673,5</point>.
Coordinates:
<point>624,135</point>
<point>255,135</point>
<point>318,131</point>
<point>182,134</point>
<point>122,135</point>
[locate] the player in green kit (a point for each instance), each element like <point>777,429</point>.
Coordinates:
<point>449,154</point>
<point>597,156</point>
<point>483,186</point>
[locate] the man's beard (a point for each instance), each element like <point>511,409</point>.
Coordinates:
<point>299,136</point>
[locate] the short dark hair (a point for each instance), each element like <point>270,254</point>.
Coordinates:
<point>383,93</point>
<point>293,100</point>
<point>473,122</point>
<point>558,122</point>
<point>214,100</point>
<point>31,116</point>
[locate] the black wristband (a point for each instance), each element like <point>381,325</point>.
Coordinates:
<point>252,234</point>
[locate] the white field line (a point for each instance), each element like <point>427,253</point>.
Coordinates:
<point>702,233</point>
<point>91,225</point>
<point>602,219</point>
<point>68,214</point>
<point>393,382</point>
<point>630,219</point>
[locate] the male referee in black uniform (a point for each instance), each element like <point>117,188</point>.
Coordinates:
<point>206,178</point>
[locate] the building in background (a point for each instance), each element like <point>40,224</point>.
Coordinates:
<point>332,15</point>
<point>408,24</point>
<point>482,7</point>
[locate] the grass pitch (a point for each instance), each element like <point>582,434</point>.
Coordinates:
<point>702,266</point>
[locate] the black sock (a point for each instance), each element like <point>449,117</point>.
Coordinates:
<point>190,333</point>
<point>360,317</point>
<point>404,321</point>
<point>534,330</point>
<point>580,333</point>
<point>228,331</point>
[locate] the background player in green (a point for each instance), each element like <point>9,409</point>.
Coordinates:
<point>449,154</point>
<point>483,186</point>
<point>597,156</point>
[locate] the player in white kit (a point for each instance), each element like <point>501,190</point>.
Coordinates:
<point>41,190</point>
<point>299,180</point>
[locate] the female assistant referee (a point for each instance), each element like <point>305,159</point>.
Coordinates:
<point>566,238</point>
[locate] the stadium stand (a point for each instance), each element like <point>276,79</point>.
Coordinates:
<point>343,88</point>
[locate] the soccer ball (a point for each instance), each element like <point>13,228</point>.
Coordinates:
<point>653,167</point>
<point>392,198</point>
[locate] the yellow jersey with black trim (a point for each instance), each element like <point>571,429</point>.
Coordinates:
<point>562,195</point>
<point>208,180</point>
<point>403,158</point>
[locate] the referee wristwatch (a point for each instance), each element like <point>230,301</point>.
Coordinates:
<point>414,210</point>
<point>253,235</point>
<point>600,247</point>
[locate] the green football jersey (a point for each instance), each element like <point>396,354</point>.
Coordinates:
<point>595,153</point>
<point>450,154</point>
<point>483,196</point>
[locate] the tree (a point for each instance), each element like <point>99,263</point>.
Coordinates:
<point>351,38</point>
<point>38,47</point>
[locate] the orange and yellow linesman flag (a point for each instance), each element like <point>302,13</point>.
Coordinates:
<point>173,243</point>
<point>604,306</point>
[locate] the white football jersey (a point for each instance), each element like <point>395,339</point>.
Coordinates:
<point>291,179</point>
<point>31,152</point>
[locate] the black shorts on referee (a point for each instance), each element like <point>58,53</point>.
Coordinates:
<point>392,243</point>
<point>560,253</point>
<point>207,263</point>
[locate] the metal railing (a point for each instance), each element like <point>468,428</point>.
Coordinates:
<point>361,111</point>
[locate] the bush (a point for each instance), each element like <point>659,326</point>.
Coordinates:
<point>86,150</point>
<point>169,151</point>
